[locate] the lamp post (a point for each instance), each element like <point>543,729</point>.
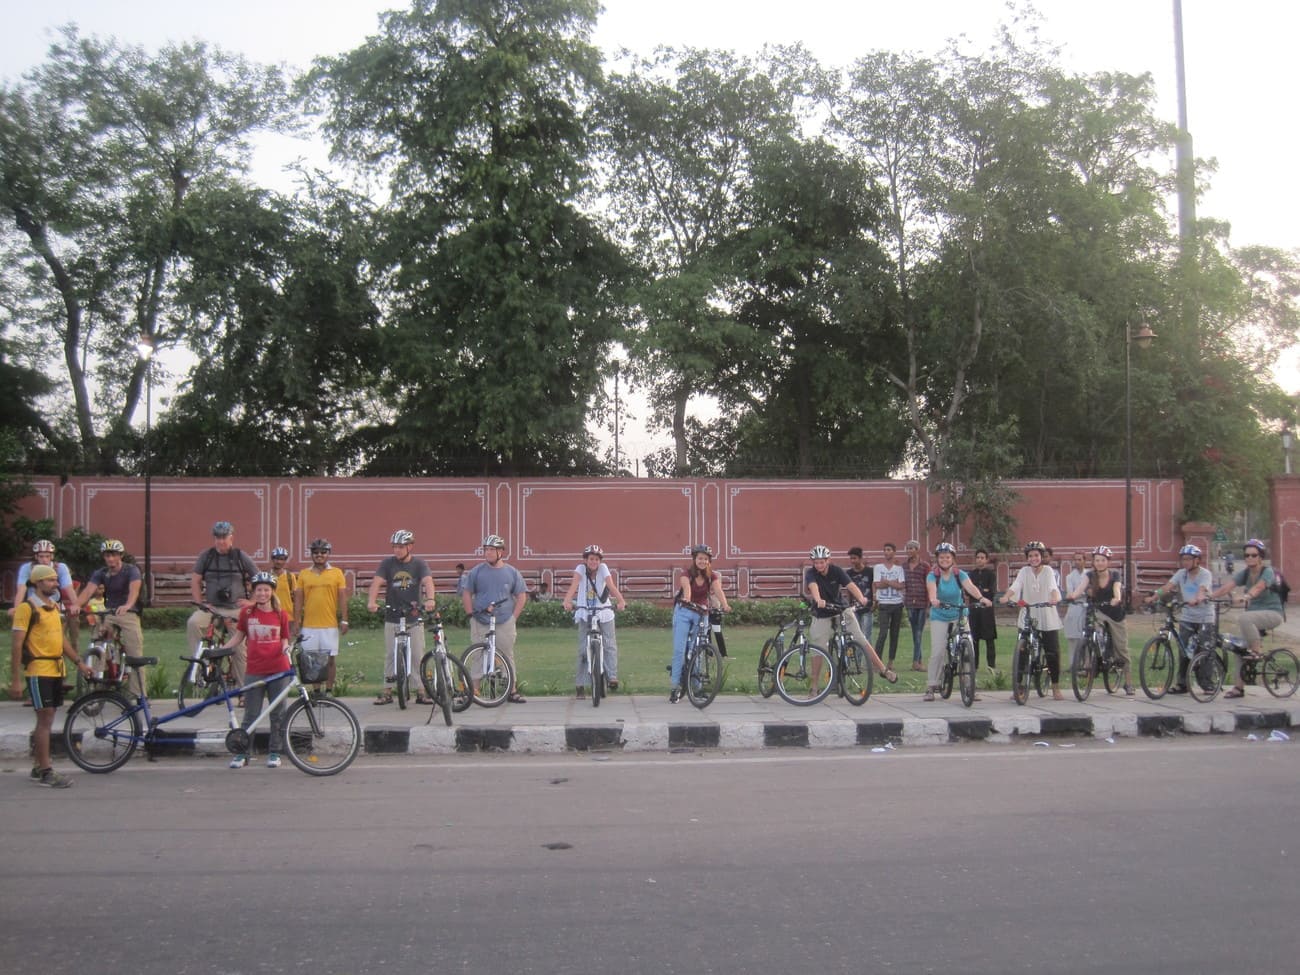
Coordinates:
<point>1142,337</point>
<point>617,466</point>
<point>1288,441</point>
<point>144,347</point>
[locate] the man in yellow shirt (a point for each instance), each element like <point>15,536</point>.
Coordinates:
<point>39,646</point>
<point>285,583</point>
<point>320,606</point>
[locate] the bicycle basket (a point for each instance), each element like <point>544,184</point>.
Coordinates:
<point>312,665</point>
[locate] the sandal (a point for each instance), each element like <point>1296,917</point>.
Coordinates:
<point>1235,692</point>
<point>889,674</point>
<point>384,698</point>
<point>514,697</point>
<point>928,695</point>
<point>423,701</point>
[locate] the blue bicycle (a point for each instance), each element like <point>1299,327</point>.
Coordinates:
<point>103,729</point>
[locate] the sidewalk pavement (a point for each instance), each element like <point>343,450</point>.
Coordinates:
<point>641,722</point>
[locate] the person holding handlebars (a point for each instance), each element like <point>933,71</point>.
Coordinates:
<point>219,583</point>
<point>1035,583</point>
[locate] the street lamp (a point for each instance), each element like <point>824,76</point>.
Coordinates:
<point>1142,337</point>
<point>144,347</point>
<point>617,404</point>
<point>1288,441</point>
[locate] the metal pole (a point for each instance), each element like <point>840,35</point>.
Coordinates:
<point>617,466</point>
<point>1129,575</point>
<point>148,482</point>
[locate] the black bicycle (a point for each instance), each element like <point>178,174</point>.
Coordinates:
<point>1096,656</point>
<point>1161,656</point>
<point>775,646</point>
<point>1029,661</point>
<point>702,667</point>
<point>959,660</point>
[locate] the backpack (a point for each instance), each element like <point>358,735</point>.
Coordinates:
<point>1280,586</point>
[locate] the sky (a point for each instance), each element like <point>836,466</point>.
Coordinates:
<point>1241,68</point>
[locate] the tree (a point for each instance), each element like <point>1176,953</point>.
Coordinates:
<point>107,156</point>
<point>500,296</point>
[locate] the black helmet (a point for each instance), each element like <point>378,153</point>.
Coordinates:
<point>321,545</point>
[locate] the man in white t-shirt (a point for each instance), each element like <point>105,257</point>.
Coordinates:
<point>888,579</point>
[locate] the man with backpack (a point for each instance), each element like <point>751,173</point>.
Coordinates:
<point>596,582</point>
<point>219,582</point>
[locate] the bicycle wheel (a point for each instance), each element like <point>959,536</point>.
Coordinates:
<point>946,679</point>
<point>1084,669</point>
<point>966,670</point>
<point>101,731</point>
<point>858,675</point>
<point>767,659</point>
<point>1278,672</point>
<point>702,674</point>
<point>205,680</point>
<point>1042,679</point>
<point>331,745</point>
<point>462,692</point>
<point>429,674</point>
<point>1205,676</point>
<point>1020,672</point>
<point>491,686</point>
<point>1157,668</point>
<point>596,648</point>
<point>401,678</point>
<point>1112,671</point>
<point>437,683</point>
<point>804,675</point>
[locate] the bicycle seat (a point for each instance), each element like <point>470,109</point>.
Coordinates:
<point>141,661</point>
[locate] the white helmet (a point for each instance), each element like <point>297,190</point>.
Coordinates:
<point>819,552</point>
<point>402,537</point>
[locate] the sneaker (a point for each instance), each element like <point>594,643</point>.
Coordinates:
<point>273,760</point>
<point>36,773</point>
<point>239,761</point>
<point>580,693</point>
<point>53,780</point>
<point>675,696</point>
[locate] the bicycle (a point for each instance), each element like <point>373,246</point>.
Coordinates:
<point>490,673</point>
<point>774,648</point>
<point>209,673</point>
<point>1209,665</point>
<point>1029,660</point>
<point>702,669</point>
<point>402,659</point>
<point>445,679</point>
<point>1158,662</point>
<point>105,656</point>
<point>806,672</point>
<point>103,730</point>
<point>1096,656</point>
<point>959,658</point>
<point>594,649</point>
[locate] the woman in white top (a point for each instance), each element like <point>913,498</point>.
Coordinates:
<point>1036,583</point>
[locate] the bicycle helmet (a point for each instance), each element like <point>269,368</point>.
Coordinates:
<point>279,553</point>
<point>263,578</point>
<point>593,550</point>
<point>1103,551</point>
<point>321,545</point>
<point>1035,547</point>
<point>402,537</point>
<point>222,528</point>
<point>112,545</point>
<point>946,547</point>
<point>494,541</point>
<point>819,552</point>
<point>43,545</point>
<point>1256,543</point>
<point>1191,550</point>
<point>698,549</point>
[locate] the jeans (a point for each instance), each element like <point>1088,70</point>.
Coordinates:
<point>684,622</point>
<point>916,617</point>
<point>864,621</point>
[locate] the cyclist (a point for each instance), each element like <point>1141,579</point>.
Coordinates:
<point>43,554</point>
<point>1105,589</point>
<point>39,646</point>
<point>285,581</point>
<point>1036,583</point>
<point>945,585</point>
<point>263,627</point>
<point>405,580</point>
<point>825,583</point>
<point>694,587</point>
<point>1194,584</point>
<point>120,583</point>
<point>1265,606</point>
<point>219,580</point>
<point>320,607</point>
<point>597,584</point>
<point>494,582</point>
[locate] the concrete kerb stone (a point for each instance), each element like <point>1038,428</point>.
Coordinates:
<point>742,735</point>
<point>432,740</point>
<point>1208,722</point>
<point>1124,725</point>
<point>540,738</point>
<point>645,736</point>
<point>925,731</point>
<point>1016,724</point>
<point>833,734</point>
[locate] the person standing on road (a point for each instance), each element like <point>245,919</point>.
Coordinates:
<point>404,579</point>
<point>593,579</point>
<point>38,651</point>
<point>983,619</point>
<point>1076,616</point>
<point>861,575</point>
<point>1265,606</point>
<point>264,629</point>
<point>1105,590</point>
<point>915,598</point>
<point>944,587</point>
<point>1036,583</point>
<point>121,585</point>
<point>691,608</point>
<point>889,580</point>
<point>219,581</point>
<point>825,585</point>
<point>320,607</point>
<point>495,583</point>
<point>1194,584</point>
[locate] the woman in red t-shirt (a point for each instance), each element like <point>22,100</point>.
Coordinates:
<point>265,627</point>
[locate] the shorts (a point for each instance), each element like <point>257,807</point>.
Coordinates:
<point>321,639</point>
<point>45,692</point>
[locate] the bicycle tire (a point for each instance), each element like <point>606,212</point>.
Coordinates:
<point>858,675</point>
<point>401,679</point>
<point>946,678</point>
<point>442,694</point>
<point>1157,668</point>
<point>702,674</point>
<point>1042,679</point>
<point>966,670</point>
<point>805,675</point>
<point>334,748</point>
<point>1083,672</point>
<point>767,658</point>
<point>1112,671</point>
<point>1205,676</point>
<point>115,717</point>
<point>596,648</point>
<point>1278,672</point>
<point>1020,673</point>
<point>492,687</point>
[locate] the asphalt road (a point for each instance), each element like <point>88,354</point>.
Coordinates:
<point>1143,856</point>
